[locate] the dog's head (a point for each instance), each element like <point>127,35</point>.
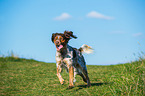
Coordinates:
<point>61,39</point>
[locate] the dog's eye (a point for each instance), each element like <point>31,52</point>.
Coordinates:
<point>55,38</point>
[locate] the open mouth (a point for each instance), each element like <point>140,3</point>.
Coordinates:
<point>59,47</point>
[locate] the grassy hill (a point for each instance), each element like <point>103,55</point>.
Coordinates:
<point>30,77</point>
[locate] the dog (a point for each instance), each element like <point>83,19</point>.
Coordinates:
<point>70,58</point>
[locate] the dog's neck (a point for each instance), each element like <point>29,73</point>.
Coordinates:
<point>64,51</point>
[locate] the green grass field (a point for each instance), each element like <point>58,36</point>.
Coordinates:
<point>30,77</point>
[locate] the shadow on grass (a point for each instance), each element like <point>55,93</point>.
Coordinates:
<point>92,84</point>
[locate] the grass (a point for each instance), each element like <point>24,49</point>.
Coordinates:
<point>29,77</point>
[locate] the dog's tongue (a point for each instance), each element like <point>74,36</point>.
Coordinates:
<point>60,46</point>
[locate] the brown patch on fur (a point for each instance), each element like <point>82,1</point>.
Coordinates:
<point>71,76</point>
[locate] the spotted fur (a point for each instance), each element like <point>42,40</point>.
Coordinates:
<point>69,58</point>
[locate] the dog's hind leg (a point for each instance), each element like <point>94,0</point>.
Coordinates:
<point>59,75</point>
<point>87,77</point>
<point>83,77</point>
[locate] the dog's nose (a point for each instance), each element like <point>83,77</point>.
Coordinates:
<point>57,42</point>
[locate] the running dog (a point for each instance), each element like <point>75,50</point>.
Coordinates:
<point>70,58</point>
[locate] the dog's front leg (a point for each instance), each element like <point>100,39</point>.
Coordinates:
<point>71,77</point>
<point>59,69</point>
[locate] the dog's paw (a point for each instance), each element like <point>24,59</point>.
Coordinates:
<point>70,87</point>
<point>84,79</point>
<point>62,82</point>
<point>88,85</point>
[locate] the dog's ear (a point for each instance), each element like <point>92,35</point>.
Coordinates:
<point>53,36</point>
<point>69,34</point>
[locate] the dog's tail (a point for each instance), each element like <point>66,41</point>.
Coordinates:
<point>86,49</point>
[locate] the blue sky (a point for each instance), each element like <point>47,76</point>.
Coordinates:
<point>112,27</point>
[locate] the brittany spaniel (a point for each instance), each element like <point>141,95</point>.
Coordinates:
<point>70,58</point>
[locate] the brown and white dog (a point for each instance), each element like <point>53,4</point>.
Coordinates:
<point>70,58</point>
